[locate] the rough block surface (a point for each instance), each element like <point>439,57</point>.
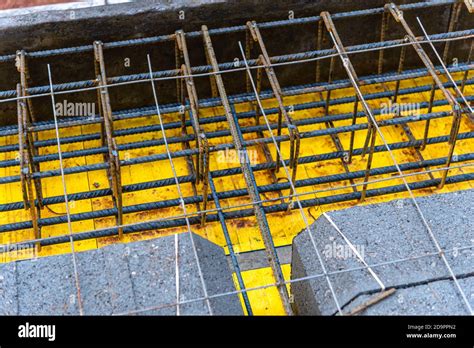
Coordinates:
<point>382,233</point>
<point>122,278</point>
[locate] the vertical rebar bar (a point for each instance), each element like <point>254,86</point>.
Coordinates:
<point>237,139</point>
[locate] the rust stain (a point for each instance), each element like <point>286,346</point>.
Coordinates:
<point>242,223</point>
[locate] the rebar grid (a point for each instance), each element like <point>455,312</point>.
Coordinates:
<point>200,173</point>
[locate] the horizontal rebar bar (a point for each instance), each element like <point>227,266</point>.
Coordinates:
<point>229,172</point>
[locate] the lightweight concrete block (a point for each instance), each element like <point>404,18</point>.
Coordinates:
<point>193,290</point>
<point>216,277</point>
<point>120,286</point>
<point>144,278</point>
<point>8,289</point>
<point>435,298</point>
<point>382,233</point>
<point>46,286</point>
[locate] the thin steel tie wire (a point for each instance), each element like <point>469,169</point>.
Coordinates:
<point>355,251</point>
<point>176,251</point>
<point>183,206</point>
<point>63,179</point>
<point>444,66</point>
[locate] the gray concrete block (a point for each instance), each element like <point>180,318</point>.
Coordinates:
<point>434,298</point>
<point>122,278</point>
<point>46,286</point>
<point>117,272</point>
<point>193,289</point>
<point>468,286</point>
<point>152,271</point>
<point>105,282</point>
<point>382,233</point>
<point>217,280</point>
<point>8,289</point>
<point>94,294</point>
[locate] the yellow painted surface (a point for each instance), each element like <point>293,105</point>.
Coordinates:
<point>244,232</point>
<point>264,301</point>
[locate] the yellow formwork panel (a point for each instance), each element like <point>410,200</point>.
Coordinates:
<point>244,232</point>
<point>263,297</point>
